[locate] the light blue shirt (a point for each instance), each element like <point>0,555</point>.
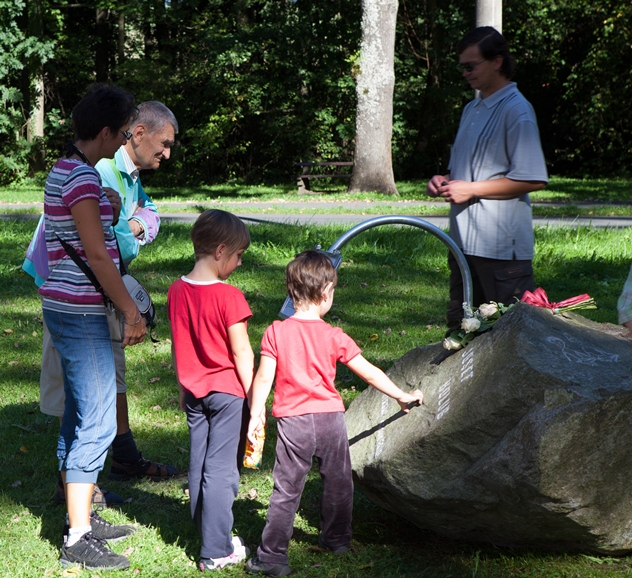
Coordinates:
<point>498,137</point>
<point>131,198</point>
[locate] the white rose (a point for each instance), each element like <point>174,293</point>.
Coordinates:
<point>449,343</point>
<point>487,310</point>
<point>470,324</point>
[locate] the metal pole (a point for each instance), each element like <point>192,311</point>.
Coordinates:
<point>426,226</point>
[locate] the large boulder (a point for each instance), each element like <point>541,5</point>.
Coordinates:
<point>525,436</point>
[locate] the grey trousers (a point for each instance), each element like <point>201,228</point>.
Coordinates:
<point>215,431</point>
<point>300,439</point>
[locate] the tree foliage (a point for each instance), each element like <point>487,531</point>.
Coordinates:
<point>258,85</point>
<point>22,53</point>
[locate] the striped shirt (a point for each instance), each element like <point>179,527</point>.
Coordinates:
<point>498,137</point>
<point>67,289</point>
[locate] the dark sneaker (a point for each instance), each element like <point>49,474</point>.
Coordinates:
<point>103,530</point>
<point>100,497</point>
<point>256,566</point>
<point>143,468</point>
<point>339,550</point>
<point>92,552</point>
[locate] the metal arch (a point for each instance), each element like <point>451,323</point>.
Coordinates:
<point>426,226</point>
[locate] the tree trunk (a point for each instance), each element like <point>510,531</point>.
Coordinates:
<point>102,55</point>
<point>35,78</point>
<point>373,169</point>
<point>121,39</point>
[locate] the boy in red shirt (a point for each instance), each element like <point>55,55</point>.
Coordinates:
<point>214,365</point>
<point>302,352</point>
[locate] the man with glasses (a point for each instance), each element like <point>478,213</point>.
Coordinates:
<point>149,141</point>
<point>496,161</point>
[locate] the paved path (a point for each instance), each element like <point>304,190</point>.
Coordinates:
<point>243,210</point>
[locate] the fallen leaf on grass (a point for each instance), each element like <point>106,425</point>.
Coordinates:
<point>387,331</point>
<point>182,450</point>
<point>8,331</point>
<point>24,449</point>
<point>156,408</point>
<point>128,551</point>
<point>13,362</point>
<point>154,379</point>
<point>74,571</point>
<point>252,493</point>
<point>373,337</point>
<point>16,484</point>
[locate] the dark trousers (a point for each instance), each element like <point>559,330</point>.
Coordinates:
<point>215,430</point>
<point>492,280</point>
<point>300,439</point>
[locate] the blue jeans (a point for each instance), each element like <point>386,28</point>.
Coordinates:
<point>89,422</point>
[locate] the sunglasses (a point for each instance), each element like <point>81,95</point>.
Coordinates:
<point>126,134</point>
<point>468,66</point>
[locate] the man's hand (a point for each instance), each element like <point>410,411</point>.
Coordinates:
<point>135,227</point>
<point>115,201</point>
<point>432,189</point>
<point>457,192</point>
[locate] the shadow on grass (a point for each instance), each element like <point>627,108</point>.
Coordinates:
<point>29,479</point>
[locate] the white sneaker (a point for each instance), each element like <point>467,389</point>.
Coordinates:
<point>240,548</point>
<point>240,553</point>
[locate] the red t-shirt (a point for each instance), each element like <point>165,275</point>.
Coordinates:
<point>200,315</point>
<point>306,352</point>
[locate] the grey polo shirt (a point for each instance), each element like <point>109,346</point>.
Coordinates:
<point>498,137</point>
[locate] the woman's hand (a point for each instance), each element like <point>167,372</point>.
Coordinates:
<point>134,331</point>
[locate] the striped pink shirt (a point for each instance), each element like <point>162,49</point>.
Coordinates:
<point>67,288</point>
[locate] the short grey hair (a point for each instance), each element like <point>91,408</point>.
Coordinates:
<point>154,116</point>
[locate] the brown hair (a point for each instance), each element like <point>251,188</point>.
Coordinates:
<point>214,228</point>
<point>308,275</point>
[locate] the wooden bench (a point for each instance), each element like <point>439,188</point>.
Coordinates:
<point>302,180</point>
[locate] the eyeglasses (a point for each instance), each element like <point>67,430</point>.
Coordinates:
<point>468,66</point>
<point>126,134</point>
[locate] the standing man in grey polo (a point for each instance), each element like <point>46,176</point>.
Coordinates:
<point>496,162</point>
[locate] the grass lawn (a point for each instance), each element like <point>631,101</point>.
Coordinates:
<point>391,297</point>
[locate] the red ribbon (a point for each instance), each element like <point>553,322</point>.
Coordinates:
<point>539,298</point>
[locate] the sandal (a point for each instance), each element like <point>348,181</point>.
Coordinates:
<point>100,497</point>
<point>141,469</point>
